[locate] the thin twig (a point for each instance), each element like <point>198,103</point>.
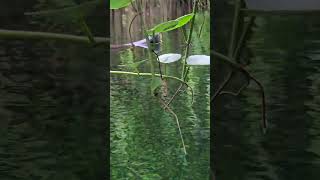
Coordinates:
<point>174,95</point>
<point>178,90</point>
<point>234,27</point>
<point>158,60</point>
<point>225,82</point>
<point>189,38</point>
<point>150,74</point>
<point>134,7</point>
<point>242,39</point>
<point>136,15</point>
<point>183,29</point>
<point>185,75</point>
<point>263,102</point>
<point>201,27</point>
<point>86,30</point>
<point>232,63</point>
<point>236,93</point>
<point>178,124</point>
<point>184,70</point>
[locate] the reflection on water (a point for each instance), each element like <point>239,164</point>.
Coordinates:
<point>52,106</point>
<point>145,142</point>
<point>286,60</point>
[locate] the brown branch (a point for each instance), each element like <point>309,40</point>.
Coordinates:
<point>232,63</point>
<point>158,60</point>
<point>225,82</point>
<point>136,15</point>
<point>177,121</point>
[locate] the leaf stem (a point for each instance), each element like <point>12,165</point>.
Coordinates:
<point>149,74</point>
<point>189,38</point>
<point>143,25</point>
<point>234,28</point>
<point>87,31</point>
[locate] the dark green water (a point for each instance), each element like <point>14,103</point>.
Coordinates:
<point>286,59</point>
<point>145,142</point>
<point>52,106</point>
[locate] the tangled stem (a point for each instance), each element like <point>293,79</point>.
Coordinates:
<point>242,69</point>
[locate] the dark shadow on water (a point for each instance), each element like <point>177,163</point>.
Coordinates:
<point>285,58</point>
<point>52,101</point>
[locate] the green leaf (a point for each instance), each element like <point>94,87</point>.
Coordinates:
<point>172,25</point>
<point>117,4</point>
<point>155,83</point>
<point>183,20</point>
<point>163,27</point>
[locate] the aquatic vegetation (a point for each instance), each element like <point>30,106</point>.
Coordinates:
<point>75,15</point>
<point>68,13</point>
<point>166,134</point>
<point>72,12</point>
<point>159,80</point>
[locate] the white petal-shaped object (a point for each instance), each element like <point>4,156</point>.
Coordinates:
<point>169,58</point>
<point>198,60</point>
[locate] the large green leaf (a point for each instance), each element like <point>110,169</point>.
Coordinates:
<point>117,4</point>
<point>171,25</point>
<point>163,27</point>
<point>183,20</point>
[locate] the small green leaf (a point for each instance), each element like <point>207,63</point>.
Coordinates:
<point>163,27</point>
<point>155,83</point>
<point>171,25</point>
<point>117,4</point>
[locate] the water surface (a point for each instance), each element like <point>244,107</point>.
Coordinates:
<point>52,100</point>
<point>285,57</point>
<point>145,142</point>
